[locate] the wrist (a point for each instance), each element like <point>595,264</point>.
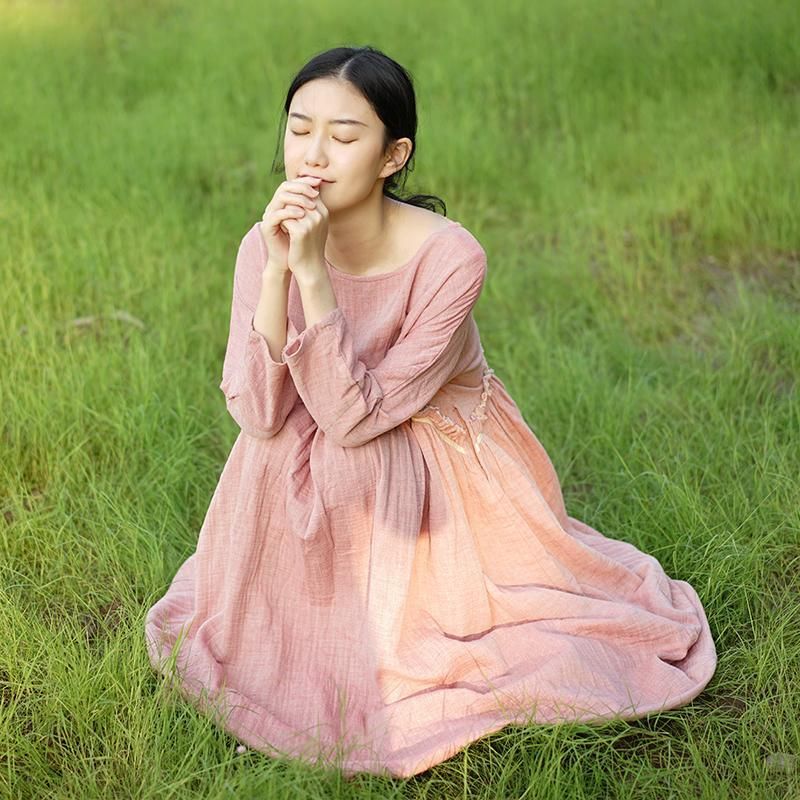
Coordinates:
<point>273,271</point>
<point>310,273</point>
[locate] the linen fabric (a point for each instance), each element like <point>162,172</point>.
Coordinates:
<point>386,571</point>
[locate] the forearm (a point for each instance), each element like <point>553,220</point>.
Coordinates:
<point>316,293</point>
<point>354,403</point>
<point>272,309</point>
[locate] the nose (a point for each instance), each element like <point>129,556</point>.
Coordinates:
<point>314,156</point>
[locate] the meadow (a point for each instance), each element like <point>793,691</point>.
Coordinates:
<point>632,171</point>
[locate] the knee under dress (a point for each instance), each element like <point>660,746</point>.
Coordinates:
<point>386,571</point>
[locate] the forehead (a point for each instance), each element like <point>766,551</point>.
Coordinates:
<point>329,101</point>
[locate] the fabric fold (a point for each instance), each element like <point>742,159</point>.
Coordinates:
<point>379,607</point>
<point>353,404</point>
<point>259,391</point>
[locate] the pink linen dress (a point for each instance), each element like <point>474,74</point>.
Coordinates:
<point>386,571</point>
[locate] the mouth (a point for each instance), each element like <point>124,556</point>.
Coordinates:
<point>322,180</point>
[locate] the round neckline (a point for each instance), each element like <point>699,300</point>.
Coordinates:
<point>397,270</point>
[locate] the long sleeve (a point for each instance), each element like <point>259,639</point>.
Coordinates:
<point>353,404</point>
<point>259,391</point>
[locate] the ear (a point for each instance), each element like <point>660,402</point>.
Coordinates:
<point>399,153</point>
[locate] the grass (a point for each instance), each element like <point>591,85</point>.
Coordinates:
<point>631,171</point>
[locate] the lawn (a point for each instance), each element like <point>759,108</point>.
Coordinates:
<point>632,171</point>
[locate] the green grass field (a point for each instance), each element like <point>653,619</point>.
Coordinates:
<point>631,169</point>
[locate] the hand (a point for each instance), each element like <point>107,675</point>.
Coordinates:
<point>308,233</point>
<point>290,201</point>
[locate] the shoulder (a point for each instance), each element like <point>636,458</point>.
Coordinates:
<point>455,252</point>
<point>252,243</point>
<point>466,244</point>
<point>421,230</point>
<point>250,260</point>
<point>452,272</point>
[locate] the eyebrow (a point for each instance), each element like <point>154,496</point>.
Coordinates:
<point>331,121</point>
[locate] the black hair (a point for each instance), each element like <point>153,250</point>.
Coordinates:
<point>388,88</point>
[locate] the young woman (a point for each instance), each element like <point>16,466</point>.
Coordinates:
<point>387,571</point>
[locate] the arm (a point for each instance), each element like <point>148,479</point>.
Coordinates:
<point>353,404</point>
<point>259,391</point>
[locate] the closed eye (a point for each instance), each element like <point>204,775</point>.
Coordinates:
<point>295,133</point>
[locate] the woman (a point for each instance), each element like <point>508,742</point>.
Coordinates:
<point>387,571</point>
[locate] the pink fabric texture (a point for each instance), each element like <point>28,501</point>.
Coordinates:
<point>386,571</point>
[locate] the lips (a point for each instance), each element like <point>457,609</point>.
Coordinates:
<point>304,175</point>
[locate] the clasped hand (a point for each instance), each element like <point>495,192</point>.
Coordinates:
<point>307,236</point>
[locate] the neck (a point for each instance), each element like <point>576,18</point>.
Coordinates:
<point>358,237</point>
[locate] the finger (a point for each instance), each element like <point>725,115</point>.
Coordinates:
<point>296,198</point>
<point>305,202</point>
<point>301,190</point>
<point>306,184</point>
<point>301,195</point>
<point>290,212</point>
<point>308,179</point>
<point>278,217</point>
<point>272,218</point>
